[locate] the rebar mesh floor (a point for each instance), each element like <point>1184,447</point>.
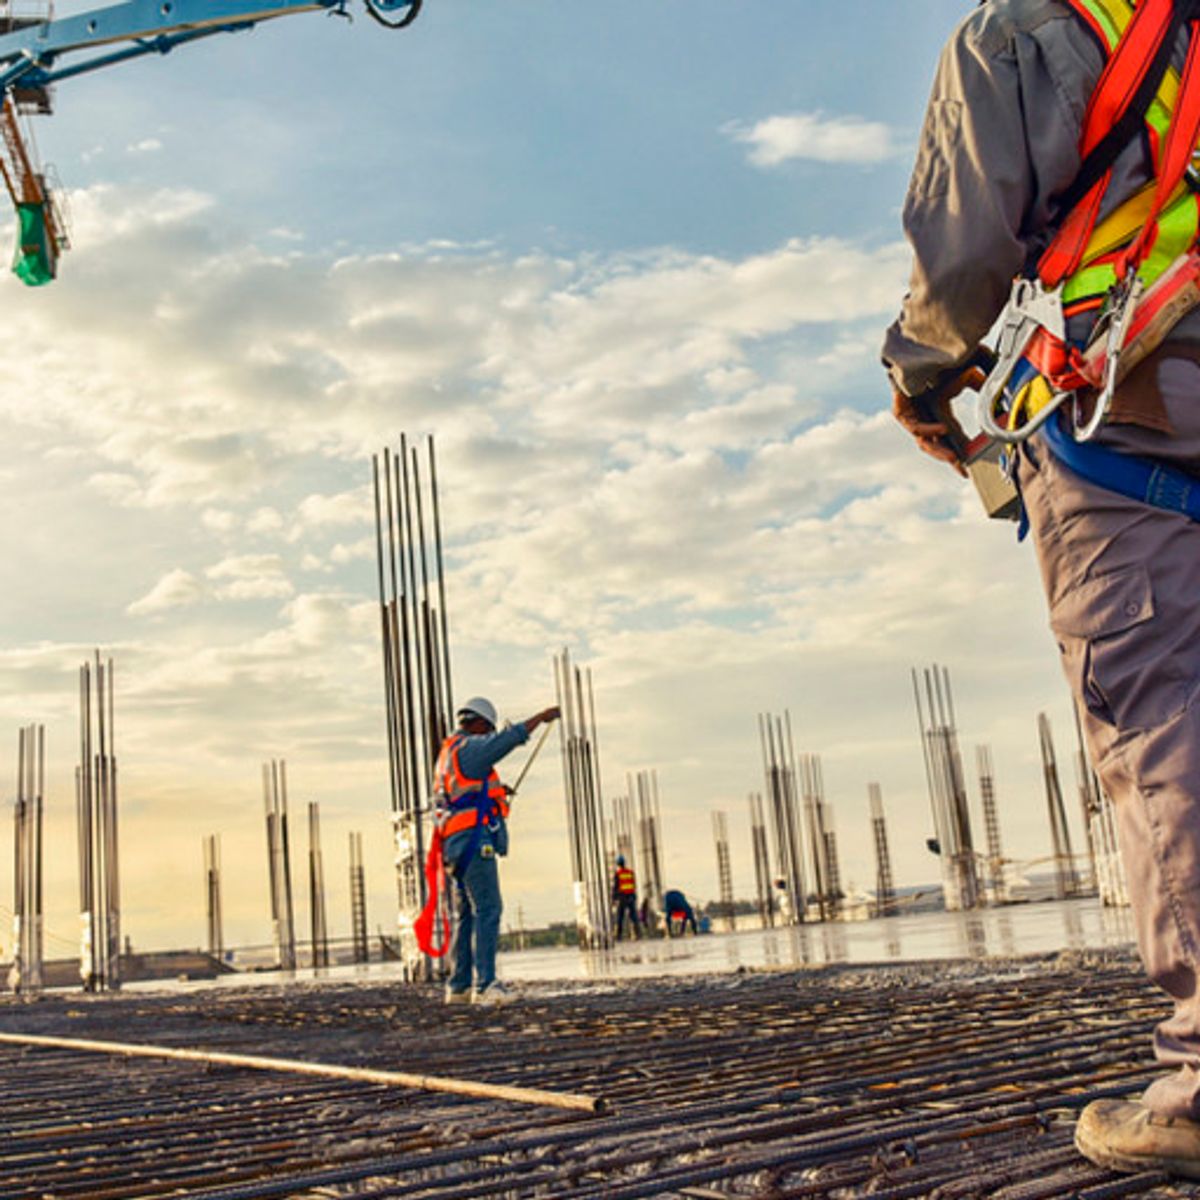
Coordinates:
<point>952,1080</point>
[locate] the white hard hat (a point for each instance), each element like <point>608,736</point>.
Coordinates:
<point>478,706</point>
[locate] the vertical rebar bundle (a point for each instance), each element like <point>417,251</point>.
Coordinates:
<point>947,790</point>
<point>821,838</point>
<point>1110,868</point>
<point>762,862</point>
<point>279,863</point>
<point>96,810</point>
<point>415,633</point>
<point>590,861</point>
<point>1104,854</point>
<point>885,888</point>
<point>212,895</point>
<point>724,869</point>
<point>991,823</point>
<point>649,837</point>
<point>26,975</point>
<point>622,826</point>
<point>358,901</point>
<point>779,771</point>
<point>318,928</point>
<point>1066,880</point>
<point>1089,803</point>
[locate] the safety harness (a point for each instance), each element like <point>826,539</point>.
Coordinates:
<point>1138,270</point>
<point>463,803</point>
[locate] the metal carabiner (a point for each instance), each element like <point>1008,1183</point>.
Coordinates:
<point>1030,308</point>
<point>1123,299</point>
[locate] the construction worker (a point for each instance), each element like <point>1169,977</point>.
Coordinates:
<point>624,896</point>
<point>472,809</point>
<point>679,914</point>
<point>1000,188</point>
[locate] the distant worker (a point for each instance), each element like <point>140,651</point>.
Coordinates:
<point>472,809</point>
<point>679,913</point>
<point>624,896</point>
<point>783,901</point>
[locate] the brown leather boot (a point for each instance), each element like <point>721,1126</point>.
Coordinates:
<point>1125,1136</point>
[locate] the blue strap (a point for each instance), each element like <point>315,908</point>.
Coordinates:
<point>484,806</point>
<point>1127,474</point>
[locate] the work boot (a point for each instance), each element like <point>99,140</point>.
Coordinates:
<point>1127,1136</point>
<point>494,993</point>
<point>458,997</point>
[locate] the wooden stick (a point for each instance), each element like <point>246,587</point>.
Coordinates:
<point>425,1083</point>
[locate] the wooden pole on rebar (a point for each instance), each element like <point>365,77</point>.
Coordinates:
<point>426,1083</point>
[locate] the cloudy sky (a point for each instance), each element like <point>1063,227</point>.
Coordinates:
<point>630,264</point>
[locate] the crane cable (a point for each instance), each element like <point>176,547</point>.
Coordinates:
<point>409,17</point>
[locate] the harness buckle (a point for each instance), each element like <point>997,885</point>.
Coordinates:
<point>1030,308</point>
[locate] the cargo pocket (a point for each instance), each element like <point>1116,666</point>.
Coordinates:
<point>1109,650</point>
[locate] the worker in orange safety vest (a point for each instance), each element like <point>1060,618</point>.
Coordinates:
<point>624,896</point>
<point>472,810</point>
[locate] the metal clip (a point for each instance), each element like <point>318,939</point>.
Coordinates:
<point>1030,308</point>
<point>1113,326</point>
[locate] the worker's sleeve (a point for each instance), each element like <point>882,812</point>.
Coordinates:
<point>999,141</point>
<point>481,752</point>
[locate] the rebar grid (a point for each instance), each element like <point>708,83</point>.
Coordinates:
<point>949,1080</point>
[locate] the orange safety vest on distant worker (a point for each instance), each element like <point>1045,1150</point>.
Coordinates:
<point>625,881</point>
<point>462,801</point>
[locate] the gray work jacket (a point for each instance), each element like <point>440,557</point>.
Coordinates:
<point>999,143</point>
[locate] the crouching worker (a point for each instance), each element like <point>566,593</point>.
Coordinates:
<point>472,810</point>
<point>680,914</point>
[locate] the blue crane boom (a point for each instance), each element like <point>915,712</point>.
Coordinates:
<point>38,52</point>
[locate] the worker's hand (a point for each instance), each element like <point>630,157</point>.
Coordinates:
<point>547,714</point>
<point>936,436</point>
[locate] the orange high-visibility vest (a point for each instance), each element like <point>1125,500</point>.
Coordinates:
<point>625,881</point>
<point>1151,231</point>
<point>462,801</point>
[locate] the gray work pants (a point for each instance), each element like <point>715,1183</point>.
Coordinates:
<point>1122,581</point>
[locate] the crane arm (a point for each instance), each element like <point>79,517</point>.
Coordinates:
<point>32,54</point>
<point>37,53</point>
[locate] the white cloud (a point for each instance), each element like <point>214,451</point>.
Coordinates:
<point>250,577</point>
<point>145,146</point>
<point>264,521</point>
<point>815,136</point>
<point>175,589</point>
<point>219,520</point>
